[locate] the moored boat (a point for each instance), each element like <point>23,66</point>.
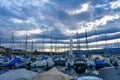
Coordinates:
<point>80,66</point>
<point>110,73</point>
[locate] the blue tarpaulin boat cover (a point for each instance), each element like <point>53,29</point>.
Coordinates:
<point>15,60</point>
<point>99,62</point>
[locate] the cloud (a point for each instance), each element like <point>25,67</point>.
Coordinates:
<point>115,4</point>
<point>83,8</point>
<point>61,17</point>
<point>14,20</point>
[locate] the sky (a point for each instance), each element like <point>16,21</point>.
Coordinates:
<point>62,19</point>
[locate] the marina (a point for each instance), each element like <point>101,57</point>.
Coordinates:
<point>79,68</point>
<point>76,64</point>
<point>59,39</point>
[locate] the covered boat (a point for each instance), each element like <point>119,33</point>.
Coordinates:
<point>49,63</point>
<point>52,74</point>
<point>90,63</point>
<point>100,64</point>
<point>18,74</point>
<point>80,66</point>
<point>39,63</point>
<point>14,60</point>
<point>110,73</point>
<point>60,61</point>
<point>69,64</point>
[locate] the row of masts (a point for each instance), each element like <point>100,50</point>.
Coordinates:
<point>57,43</point>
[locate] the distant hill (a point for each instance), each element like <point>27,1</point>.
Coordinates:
<point>100,50</point>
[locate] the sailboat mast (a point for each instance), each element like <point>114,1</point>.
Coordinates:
<point>106,42</point>
<point>12,43</point>
<point>0,41</point>
<point>32,46</point>
<point>71,46</point>
<point>77,49</point>
<point>20,46</point>
<point>118,45</point>
<point>87,46</point>
<point>56,45</point>
<point>51,44</point>
<point>26,42</point>
<point>67,47</point>
<point>43,45</point>
<point>96,37</point>
<point>78,42</point>
<point>64,47</point>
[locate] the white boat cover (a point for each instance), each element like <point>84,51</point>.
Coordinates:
<point>89,78</point>
<point>50,62</point>
<point>40,63</point>
<point>90,63</point>
<point>69,62</point>
<point>52,74</point>
<point>18,74</point>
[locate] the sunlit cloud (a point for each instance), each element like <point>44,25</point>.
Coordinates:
<point>79,10</point>
<point>14,20</point>
<point>28,32</point>
<point>115,4</point>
